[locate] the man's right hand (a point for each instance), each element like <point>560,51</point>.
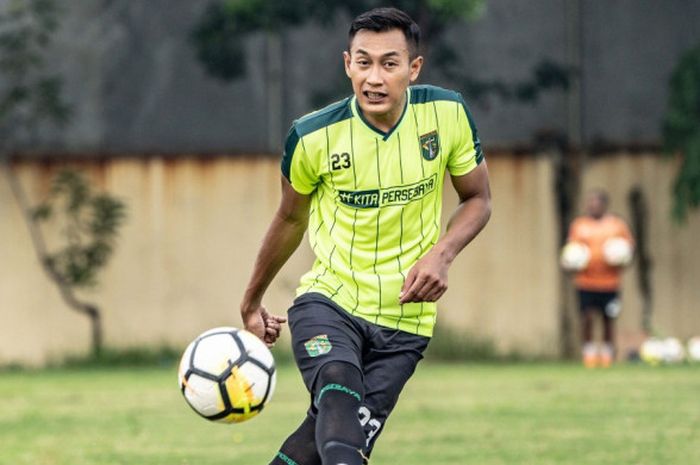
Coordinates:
<point>261,323</point>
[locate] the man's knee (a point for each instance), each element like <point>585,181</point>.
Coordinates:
<point>339,380</point>
<point>338,396</point>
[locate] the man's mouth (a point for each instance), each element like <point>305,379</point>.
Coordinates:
<point>373,96</point>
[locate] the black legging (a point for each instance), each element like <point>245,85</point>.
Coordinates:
<point>335,436</point>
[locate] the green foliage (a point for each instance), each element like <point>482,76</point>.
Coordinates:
<point>447,11</point>
<point>29,94</point>
<point>218,36</point>
<point>459,346</point>
<point>92,222</point>
<point>681,131</point>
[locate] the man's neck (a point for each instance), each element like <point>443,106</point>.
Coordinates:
<point>388,120</point>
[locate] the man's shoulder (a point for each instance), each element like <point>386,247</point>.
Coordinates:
<point>582,221</point>
<point>616,219</point>
<point>426,93</point>
<point>327,116</point>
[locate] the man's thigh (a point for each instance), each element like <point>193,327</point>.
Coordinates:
<point>388,365</point>
<point>321,334</point>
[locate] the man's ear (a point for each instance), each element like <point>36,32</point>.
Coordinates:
<point>416,65</point>
<point>346,61</point>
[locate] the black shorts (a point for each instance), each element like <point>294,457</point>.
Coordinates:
<point>323,332</point>
<point>608,303</point>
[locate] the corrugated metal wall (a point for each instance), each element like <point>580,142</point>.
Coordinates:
<point>194,227</point>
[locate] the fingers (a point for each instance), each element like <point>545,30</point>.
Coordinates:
<point>408,282</point>
<point>272,327</point>
<point>270,338</point>
<point>267,317</point>
<point>273,324</point>
<point>424,289</point>
<point>435,293</point>
<point>412,291</point>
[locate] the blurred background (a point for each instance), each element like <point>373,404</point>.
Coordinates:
<point>170,117</point>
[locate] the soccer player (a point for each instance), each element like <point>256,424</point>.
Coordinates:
<point>365,177</point>
<point>598,285</point>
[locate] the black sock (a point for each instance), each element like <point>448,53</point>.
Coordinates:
<point>338,394</point>
<point>300,446</point>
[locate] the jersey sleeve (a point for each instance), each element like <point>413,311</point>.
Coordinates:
<point>466,153</point>
<point>297,166</point>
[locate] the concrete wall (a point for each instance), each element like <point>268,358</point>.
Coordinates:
<point>194,226</point>
<point>135,85</point>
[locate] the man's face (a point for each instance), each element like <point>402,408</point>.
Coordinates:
<point>595,206</point>
<point>380,69</point>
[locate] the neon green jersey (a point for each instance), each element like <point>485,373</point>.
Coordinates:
<point>376,198</point>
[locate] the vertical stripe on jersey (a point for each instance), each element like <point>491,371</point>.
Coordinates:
<point>439,160</point>
<point>335,213</point>
<point>422,233</point>
<point>318,206</point>
<point>315,281</point>
<point>376,239</point>
<point>422,169</point>
<point>437,197</point>
<point>354,222</point>
<point>403,209</point>
<point>335,293</point>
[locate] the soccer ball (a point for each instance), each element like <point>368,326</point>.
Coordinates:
<point>655,351</point>
<point>575,256</point>
<point>227,375</point>
<point>652,351</point>
<point>674,352</point>
<point>618,252</point>
<point>694,349</point>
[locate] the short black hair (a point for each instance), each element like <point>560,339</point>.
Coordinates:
<point>386,19</point>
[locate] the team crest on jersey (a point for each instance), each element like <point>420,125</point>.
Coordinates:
<point>430,145</point>
<point>318,345</point>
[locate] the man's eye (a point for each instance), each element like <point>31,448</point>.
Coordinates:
<point>390,64</point>
<point>362,62</point>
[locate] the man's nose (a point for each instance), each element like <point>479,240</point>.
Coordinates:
<point>375,75</point>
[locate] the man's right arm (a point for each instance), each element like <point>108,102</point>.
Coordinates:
<point>281,240</point>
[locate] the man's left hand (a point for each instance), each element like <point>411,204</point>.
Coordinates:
<point>427,280</point>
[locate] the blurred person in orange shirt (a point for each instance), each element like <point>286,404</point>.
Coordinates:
<point>598,283</point>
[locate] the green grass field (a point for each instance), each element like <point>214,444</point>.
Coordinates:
<point>448,414</point>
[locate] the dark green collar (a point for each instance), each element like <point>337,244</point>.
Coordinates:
<point>385,135</point>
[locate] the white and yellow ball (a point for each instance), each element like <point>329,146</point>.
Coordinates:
<point>694,349</point>
<point>618,251</point>
<point>652,351</point>
<point>674,352</point>
<point>575,256</point>
<point>656,351</point>
<point>227,375</point>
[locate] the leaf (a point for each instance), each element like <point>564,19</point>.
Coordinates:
<point>681,132</point>
<point>42,212</point>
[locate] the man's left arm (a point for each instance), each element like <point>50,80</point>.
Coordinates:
<point>427,279</point>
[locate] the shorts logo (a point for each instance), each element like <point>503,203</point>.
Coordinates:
<point>318,345</point>
<point>430,145</point>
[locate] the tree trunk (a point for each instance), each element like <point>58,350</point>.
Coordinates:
<point>567,182</point>
<point>95,330</point>
<point>67,294</point>
<point>640,218</point>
